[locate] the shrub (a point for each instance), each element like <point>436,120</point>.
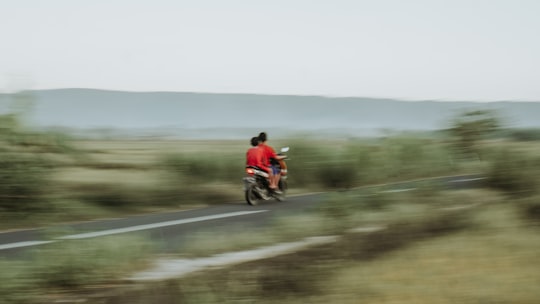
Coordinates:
<point>108,195</point>
<point>70,265</point>
<point>337,174</point>
<point>22,182</point>
<point>514,172</point>
<point>350,164</point>
<point>19,285</point>
<point>23,172</point>
<point>204,167</point>
<point>525,134</point>
<point>81,262</point>
<point>305,159</point>
<point>530,208</point>
<point>470,127</point>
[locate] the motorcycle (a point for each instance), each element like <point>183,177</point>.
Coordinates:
<point>256,184</point>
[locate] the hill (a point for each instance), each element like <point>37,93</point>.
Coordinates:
<point>227,114</point>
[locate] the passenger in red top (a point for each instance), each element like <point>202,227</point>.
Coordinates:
<point>270,154</point>
<point>255,156</point>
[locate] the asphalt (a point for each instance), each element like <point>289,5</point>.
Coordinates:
<point>172,229</point>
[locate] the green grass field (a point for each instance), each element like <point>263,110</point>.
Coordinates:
<point>83,180</point>
<point>435,248</point>
<point>481,249</point>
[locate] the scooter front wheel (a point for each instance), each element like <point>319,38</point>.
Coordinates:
<point>283,188</point>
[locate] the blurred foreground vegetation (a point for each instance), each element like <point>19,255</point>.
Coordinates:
<point>473,241</point>
<point>48,177</point>
<point>429,245</point>
<point>470,246</point>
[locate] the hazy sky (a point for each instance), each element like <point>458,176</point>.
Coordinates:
<point>480,50</point>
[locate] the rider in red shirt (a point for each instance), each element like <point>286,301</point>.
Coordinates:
<point>255,156</point>
<point>270,154</point>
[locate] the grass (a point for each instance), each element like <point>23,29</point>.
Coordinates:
<point>430,239</point>
<point>70,265</point>
<point>496,262</point>
<point>337,213</point>
<point>484,254</point>
<point>169,174</point>
<point>430,252</point>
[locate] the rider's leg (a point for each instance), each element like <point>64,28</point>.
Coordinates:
<point>270,178</point>
<point>275,178</point>
<point>276,181</point>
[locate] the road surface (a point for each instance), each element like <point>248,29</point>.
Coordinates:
<point>173,228</point>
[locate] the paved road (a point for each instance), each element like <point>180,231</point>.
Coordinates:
<point>173,228</point>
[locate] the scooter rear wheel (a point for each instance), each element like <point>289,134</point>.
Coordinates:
<point>251,195</point>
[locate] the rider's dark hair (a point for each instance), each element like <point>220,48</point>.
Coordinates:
<point>254,141</point>
<point>262,136</point>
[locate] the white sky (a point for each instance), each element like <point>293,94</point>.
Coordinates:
<point>477,50</point>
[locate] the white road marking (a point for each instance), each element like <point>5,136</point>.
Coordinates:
<point>367,229</point>
<point>398,190</point>
<point>23,244</point>
<point>156,225</point>
<point>467,180</point>
<point>129,229</point>
<point>459,207</point>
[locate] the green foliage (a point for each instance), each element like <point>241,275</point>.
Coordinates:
<point>514,172</point>
<point>305,161</point>
<point>23,181</point>
<point>70,265</point>
<point>337,174</point>
<point>112,196</point>
<point>24,169</point>
<point>199,178</point>
<point>471,127</point>
<point>525,134</point>
<point>18,284</point>
<point>530,208</point>
<point>82,262</point>
<point>9,125</point>
<point>402,158</point>
<point>23,174</point>
<point>197,168</point>
<point>350,164</point>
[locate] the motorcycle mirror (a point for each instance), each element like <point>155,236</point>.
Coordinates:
<point>284,149</point>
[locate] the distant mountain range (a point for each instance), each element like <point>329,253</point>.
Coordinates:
<point>232,115</point>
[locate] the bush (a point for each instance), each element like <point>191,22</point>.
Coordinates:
<point>108,195</point>
<point>78,263</point>
<point>18,284</point>
<point>305,159</point>
<point>351,163</point>
<point>70,265</point>
<point>23,172</point>
<point>470,127</point>
<point>205,167</point>
<point>196,178</point>
<point>525,134</point>
<point>337,174</point>
<point>23,182</point>
<point>515,173</point>
<point>530,208</point>
<point>412,158</point>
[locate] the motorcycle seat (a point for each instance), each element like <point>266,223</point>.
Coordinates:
<point>258,171</point>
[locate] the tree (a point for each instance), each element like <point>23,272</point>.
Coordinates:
<point>471,127</point>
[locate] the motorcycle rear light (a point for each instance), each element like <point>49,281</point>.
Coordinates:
<point>250,171</point>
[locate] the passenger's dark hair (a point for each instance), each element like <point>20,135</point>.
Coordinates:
<point>262,136</point>
<point>254,141</point>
